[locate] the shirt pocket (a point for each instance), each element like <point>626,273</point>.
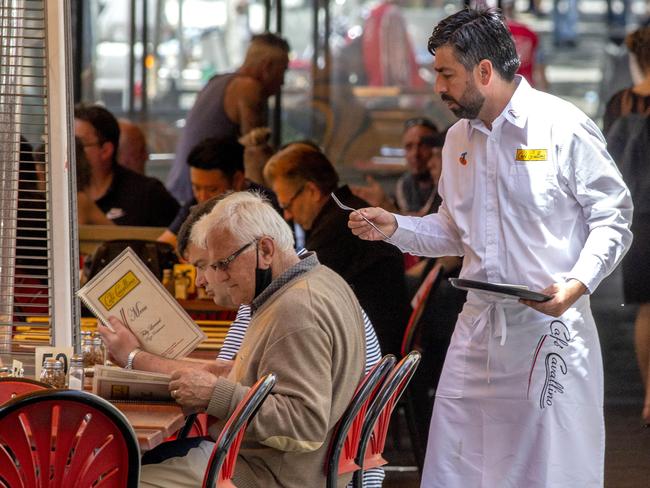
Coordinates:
<point>532,190</point>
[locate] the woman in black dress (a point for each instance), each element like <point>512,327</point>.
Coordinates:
<point>636,264</point>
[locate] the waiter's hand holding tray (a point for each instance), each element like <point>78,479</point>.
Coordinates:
<point>516,291</point>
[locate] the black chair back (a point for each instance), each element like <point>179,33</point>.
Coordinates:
<point>157,256</point>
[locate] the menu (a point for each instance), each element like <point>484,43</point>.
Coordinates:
<point>128,290</point>
<point>130,385</point>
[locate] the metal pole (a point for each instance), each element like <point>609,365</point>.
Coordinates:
<point>267,15</point>
<point>314,62</point>
<point>131,85</point>
<point>277,109</point>
<point>145,49</point>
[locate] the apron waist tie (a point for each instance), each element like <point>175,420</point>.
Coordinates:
<point>494,317</point>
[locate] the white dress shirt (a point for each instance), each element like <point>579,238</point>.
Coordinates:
<point>538,200</point>
<point>532,201</point>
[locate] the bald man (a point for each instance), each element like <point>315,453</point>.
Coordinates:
<point>232,105</point>
<point>132,152</point>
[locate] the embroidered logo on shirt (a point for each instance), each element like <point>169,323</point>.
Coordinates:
<point>531,155</point>
<point>115,213</point>
<point>462,159</point>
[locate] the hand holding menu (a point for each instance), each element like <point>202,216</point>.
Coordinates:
<point>128,290</point>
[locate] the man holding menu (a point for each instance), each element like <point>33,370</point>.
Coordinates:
<point>530,197</point>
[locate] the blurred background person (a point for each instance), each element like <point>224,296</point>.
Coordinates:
<point>415,189</point>
<point>231,105</point>
<point>125,197</point>
<point>216,167</point>
<point>132,152</point>
<point>627,129</point>
<point>87,212</point>
<point>303,178</point>
<point>635,99</point>
<point>529,49</point>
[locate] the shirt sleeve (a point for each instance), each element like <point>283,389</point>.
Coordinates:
<point>606,203</point>
<point>433,235</point>
<point>236,333</point>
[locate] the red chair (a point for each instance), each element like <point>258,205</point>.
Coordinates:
<point>221,466</point>
<point>420,299</point>
<point>196,425</point>
<point>375,427</point>
<point>13,387</point>
<point>64,438</point>
<point>341,458</point>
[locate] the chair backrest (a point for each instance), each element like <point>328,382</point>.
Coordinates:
<point>420,301</point>
<point>156,255</point>
<point>61,438</point>
<point>375,427</point>
<point>221,466</point>
<point>14,387</point>
<point>341,457</point>
<point>195,426</point>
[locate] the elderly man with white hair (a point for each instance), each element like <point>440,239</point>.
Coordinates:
<point>306,327</point>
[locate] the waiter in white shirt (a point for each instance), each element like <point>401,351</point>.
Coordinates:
<point>530,197</point>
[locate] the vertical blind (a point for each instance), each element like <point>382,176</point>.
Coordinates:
<point>27,274</point>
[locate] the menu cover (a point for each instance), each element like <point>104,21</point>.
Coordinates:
<point>127,289</point>
<point>517,291</point>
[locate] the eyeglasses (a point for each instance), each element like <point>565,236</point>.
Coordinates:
<point>223,264</point>
<point>295,195</point>
<point>417,121</point>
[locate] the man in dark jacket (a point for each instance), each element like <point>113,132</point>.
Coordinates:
<point>303,179</point>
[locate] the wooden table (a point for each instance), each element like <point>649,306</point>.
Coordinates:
<point>153,423</point>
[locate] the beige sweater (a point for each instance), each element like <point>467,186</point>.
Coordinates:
<point>310,334</point>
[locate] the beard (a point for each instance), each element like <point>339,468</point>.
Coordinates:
<point>470,103</point>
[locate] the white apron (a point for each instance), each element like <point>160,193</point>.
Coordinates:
<point>518,405</point>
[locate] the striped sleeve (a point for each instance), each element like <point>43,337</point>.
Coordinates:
<point>236,332</point>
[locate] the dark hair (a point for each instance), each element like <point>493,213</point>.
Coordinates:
<point>82,167</point>
<point>420,122</point>
<point>272,40</point>
<point>638,43</point>
<point>104,123</point>
<point>197,211</point>
<point>212,153</point>
<point>302,162</point>
<point>476,35</point>
<point>435,140</point>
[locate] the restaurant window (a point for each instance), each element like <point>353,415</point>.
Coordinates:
<point>358,68</point>
<point>37,268</point>
<point>146,60</point>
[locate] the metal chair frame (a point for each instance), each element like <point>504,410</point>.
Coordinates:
<point>375,427</point>
<point>345,439</point>
<point>224,454</point>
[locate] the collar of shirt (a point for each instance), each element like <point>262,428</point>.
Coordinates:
<point>308,261</point>
<point>515,112</point>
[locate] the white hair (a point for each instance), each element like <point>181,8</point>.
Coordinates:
<point>247,216</point>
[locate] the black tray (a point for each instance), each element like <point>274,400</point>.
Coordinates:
<point>493,288</point>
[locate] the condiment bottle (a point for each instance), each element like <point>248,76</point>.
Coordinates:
<point>76,372</point>
<point>52,373</point>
